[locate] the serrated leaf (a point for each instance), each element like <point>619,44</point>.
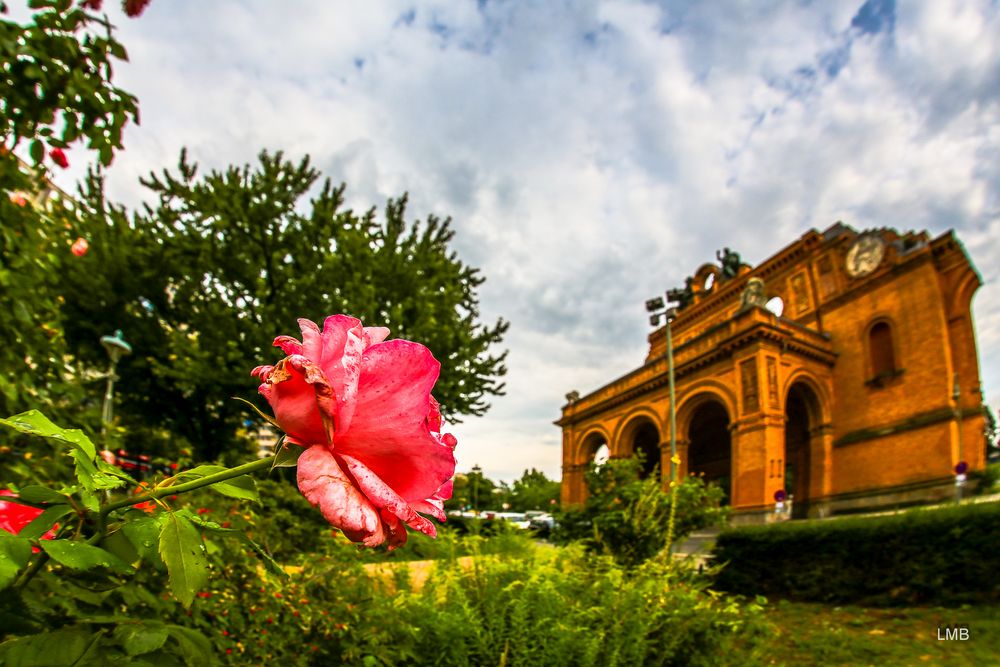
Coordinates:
<point>65,646</point>
<point>244,488</point>
<point>141,638</point>
<point>119,545</point>
<point>82,556</point>
<point>45,521</point>
<point>270,564</point>
<point>90,477</point>
<point>182,552</point>
<point>40,495</point>
<point>194,646</point>
<point>144,534</point>
<point>34,422</point>
<point>14,555</point>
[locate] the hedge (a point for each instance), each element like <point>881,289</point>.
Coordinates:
<point>941,556</point>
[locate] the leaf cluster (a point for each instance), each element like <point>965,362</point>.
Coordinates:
<point>203,281</point>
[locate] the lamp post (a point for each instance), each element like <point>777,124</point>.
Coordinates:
<point>960,468</point>
<point>116,348</point>
<point>657,308</point>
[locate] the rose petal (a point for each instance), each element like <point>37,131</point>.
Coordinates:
<point>383,497</point>
<point>324,484</point>
<point>294,401</point>
<point>343,346</point>
<point>389,433</point>
<point>375,335</point>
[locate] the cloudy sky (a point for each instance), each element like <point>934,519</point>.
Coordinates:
<point>593,154</point>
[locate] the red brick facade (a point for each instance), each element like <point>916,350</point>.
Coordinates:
<point>847,399</point>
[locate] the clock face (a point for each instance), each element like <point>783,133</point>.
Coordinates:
<point>865,255</point>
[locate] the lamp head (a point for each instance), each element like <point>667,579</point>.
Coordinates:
<point>654,304</point>
<point>116,346</point>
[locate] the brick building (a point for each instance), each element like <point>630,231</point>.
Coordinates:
<point>864,392</point>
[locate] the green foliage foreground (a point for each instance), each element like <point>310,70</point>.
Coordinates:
<point>923,556</point>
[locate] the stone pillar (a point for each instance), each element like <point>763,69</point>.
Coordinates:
<point>574,488</point>
<point>820,470</point>
<point>757,443</point>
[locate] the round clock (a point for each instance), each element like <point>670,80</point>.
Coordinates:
<point>864,255</point>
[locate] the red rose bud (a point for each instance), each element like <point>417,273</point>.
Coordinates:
<point>59,157</point>
<point>203,510</point>
<point>134,8</point>
<point>80,247</point>
<point>92,5</point>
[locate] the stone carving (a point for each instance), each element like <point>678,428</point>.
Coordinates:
<point>572,397</point>
<point>729,261</point>
<point>748,375</point>
<point>683,297</point>
<point>772,381</point>
<point>753,294</point>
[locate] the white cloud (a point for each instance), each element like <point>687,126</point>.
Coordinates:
<point>592,154</point>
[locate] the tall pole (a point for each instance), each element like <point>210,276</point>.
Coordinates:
<point>107,411</point>
<point>673,408</point>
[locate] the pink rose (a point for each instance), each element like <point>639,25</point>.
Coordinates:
<point>14,517</point>
<point>375,457</point>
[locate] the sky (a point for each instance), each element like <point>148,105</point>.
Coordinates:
<point>592,154</point>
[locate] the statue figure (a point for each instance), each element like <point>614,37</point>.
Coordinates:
<point>683,297</point>
<point>729,261</point>
<point>753,294</point>
<point>572,397</point>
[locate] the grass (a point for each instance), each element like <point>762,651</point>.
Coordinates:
<point>817,634</point>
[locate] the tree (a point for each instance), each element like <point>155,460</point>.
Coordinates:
<point>534,491</point>
<point>55,91</point>
<point>203,282</point>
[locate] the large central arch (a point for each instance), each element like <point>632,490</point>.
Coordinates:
<point>710,445</point>
<point>801,417</point>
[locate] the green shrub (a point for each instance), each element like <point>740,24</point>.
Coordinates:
<point>628,517</point>
<point>564,607</point>
<point>943,556</point>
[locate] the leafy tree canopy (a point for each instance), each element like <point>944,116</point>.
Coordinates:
<point>56,91</point>
<point>203,281</point>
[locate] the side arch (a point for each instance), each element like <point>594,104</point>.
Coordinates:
<point>588,443</point>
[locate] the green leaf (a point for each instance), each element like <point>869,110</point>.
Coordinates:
<point>270,564</point>
<point>14,555</point>
<point>34,422</point>
<point>144,534</point>
<point>194,646</point>
<point>141,638</point>
<point>82,556</point>
<point>287,456</point>
<point>184,555</point>
<point>44,521</point>
<point>37,151</point>
<point>40,495</point>
<point>66,646</point>
<point>244,487</point>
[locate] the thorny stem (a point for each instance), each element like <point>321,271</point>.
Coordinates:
<point>174,489</point>
<point>156,494</point>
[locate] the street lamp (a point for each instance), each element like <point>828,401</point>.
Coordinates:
<point>116,348</point>
<point>657,308</point>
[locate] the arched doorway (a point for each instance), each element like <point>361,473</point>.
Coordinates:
<point>594,449</point>
<point>646,445</point>
<point>710,448</point>
<point>798,423</point>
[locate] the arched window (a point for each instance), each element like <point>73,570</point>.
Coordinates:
<point>881,350</point>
